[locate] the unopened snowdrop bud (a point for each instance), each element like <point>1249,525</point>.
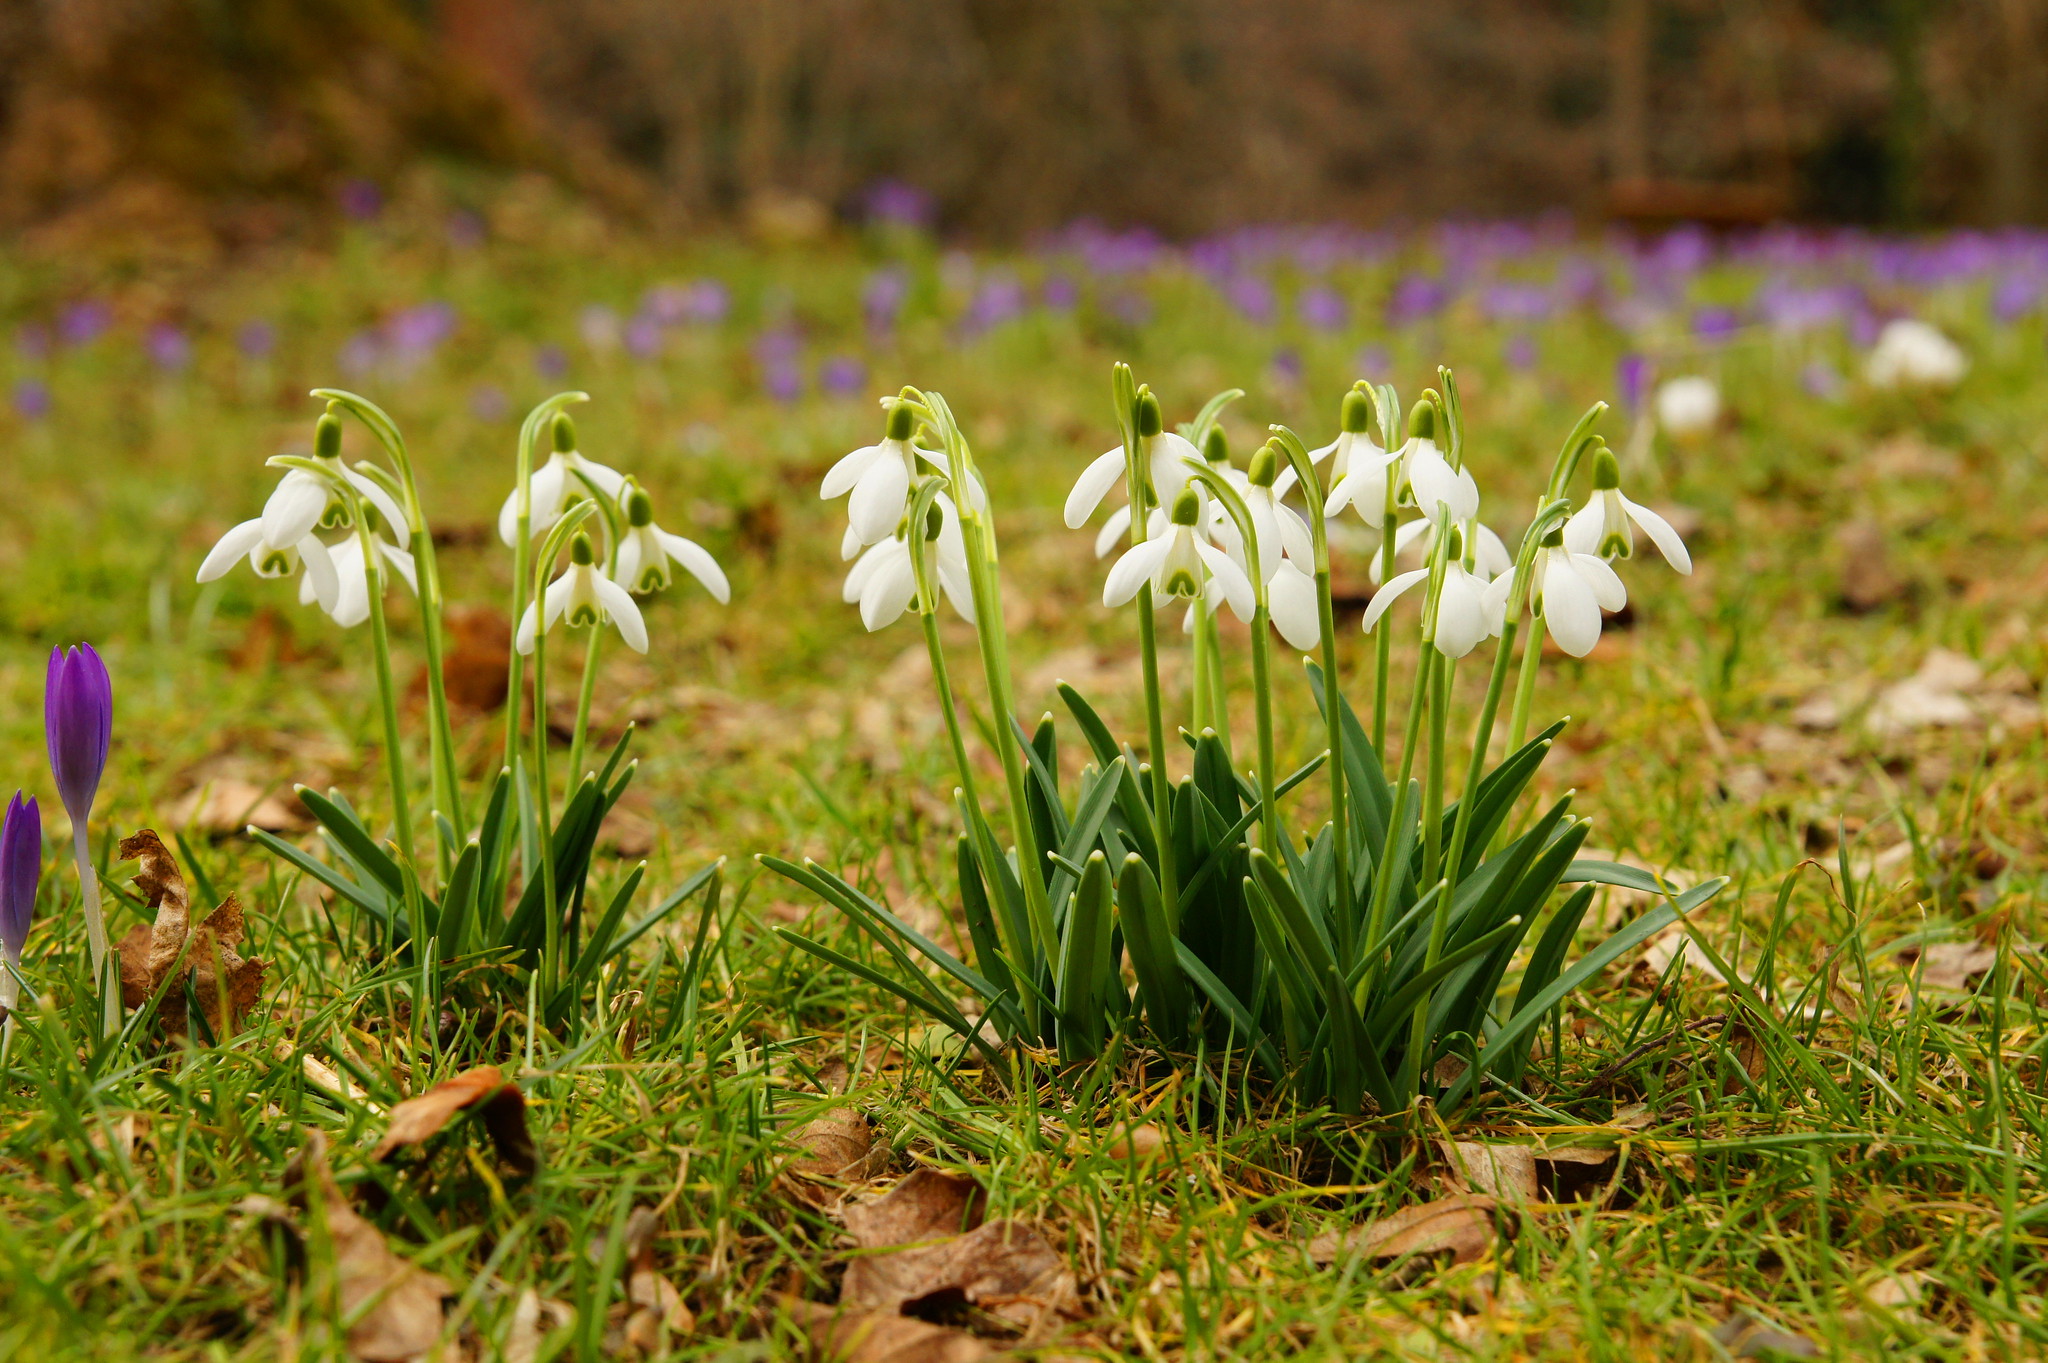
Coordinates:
<point>1603,527</point>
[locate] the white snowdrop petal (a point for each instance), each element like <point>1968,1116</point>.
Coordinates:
<point>1113,531</point>
<point>1495,599</point>
<point>529,628</point>
<point>1605,583</point>
<point>888,593</point>
<point>877,502</point>
<point>1490,556</point>
<point>373,492</point>
<point>696,561</point>
<point>959,590</point>
<point>1291,600</point>
<point>840,478</point>
<point>1135,568</point>
<point>320,569</point>
<point>1583,528</point>
<point>1570,611</point>
<point>294,508</point>
<point>1092,486</point>
<point>1460,615</point>
<point>1296,540</point>
<point>1661,534</point>
<point>1387,595</point>
<point>864,568</point>
<point>1237,588</point>
<point>231,547</point>
<point>402,561</point>
<point>619,604</point>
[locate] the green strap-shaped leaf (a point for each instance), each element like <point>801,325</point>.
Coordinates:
<point>1084,977</point>
<point>1150,942</point>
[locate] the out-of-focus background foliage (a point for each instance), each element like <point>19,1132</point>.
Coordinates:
<point>187,127</point>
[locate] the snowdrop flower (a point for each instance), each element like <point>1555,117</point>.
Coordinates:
<point>351,603</point>
<point>1180,562</point>
<point>557,483</point>
<point>1465,614</point>
<point>585,596</point>
<point>1569,590</point>
<point>1912,354</point>
<point>1358,466</point>
<point>1291,604</point>
<point>303,501</point>
<point>275,560</point>
<point>646,551</point>
<point>1427,478</point>
<point>1602,528</point>
<point>879,477</point>
<point>884,579</point>
<point>1160,453</point>
<point>1278,529</point>
<point>1688,406</point>
<point>1490,557</point>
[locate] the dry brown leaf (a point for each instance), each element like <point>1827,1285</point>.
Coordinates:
<point>1868,580</point>
<point>225,806</point>
<point>884,1337</point>
<point>475,666</point>
<point>924,1205</point>
<point>1137,1143</point>
<point>1744,1336</point>
<point>838,1145</point>
<point>500,1104</point>
<point>1506,1172</point>
<point>527,1332</point>
<point>392,1304</point>
<point>1951,965</point>
<point>1461,1226</point>
<point>226,985</point>
<point>1005,1267</point>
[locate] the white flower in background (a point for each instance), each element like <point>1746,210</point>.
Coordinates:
<point>583,596</point>
<point>1569,592</point>
<point>1181,562</point>
<point>884,579</point>
<point>565,477</point>
<point>879,477</point>
<point>1912,354</point>
<point>1688,406</point>
<point>1160,452</point>
<point>351,605</point>
<point>1465,614</point>
<point>646,551</point>
<point>275,560</point>
<point>1602,527</point>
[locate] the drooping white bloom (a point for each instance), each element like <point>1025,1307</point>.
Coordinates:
<point>584,596</point>
<point>1490,557</point>
<point>565,477</point>
<point>879,476</point>
<point>1160,452</point>
<point>304,501</point>
<point>351,605</point>
<point>1180,561</point>
<point>884,579</point>
<point>1465,614</point>
<point>1569,590</point>
<point>1292,605</point>
<point>1363,484</point>
<point>1602,526</point>
<point>275,560</point>
<point>646,551</point>
<point>1688,406</point>
<point>1278,530</point>
<point>1911,354</point>
<point>1433,483</point>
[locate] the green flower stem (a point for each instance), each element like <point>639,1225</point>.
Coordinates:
<point>551,947</point>
<point>1384,646</point>
<point>1199,655</point>
<point>1433,775</point>
<point>1383,878</point>
<point>1262,700</point>
<point>380,640</point>
<point>1333,701</point>
<point>1482,739</point>
<point>583,698</point>
<point>1525,683</point>
<point>1155,738</point>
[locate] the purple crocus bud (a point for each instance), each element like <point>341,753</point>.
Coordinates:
<point>78,721</point>
<point>21,867</point>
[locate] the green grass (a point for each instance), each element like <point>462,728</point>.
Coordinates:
<point>1782,1150</point>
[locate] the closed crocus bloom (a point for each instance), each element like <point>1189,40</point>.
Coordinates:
<point>1912,354</point>
<point>646,551</point>
<point>566,476</point>
<point>879,477</point>
<point>1180,561</point>
<point>1688,406</point>
<point>1569,591</point>
<point>884,579</point>
<point>1604,526</point>
<point>78,725</point>
<point>584,596</point>
<point>21,869</point>
<point>1160,453</point>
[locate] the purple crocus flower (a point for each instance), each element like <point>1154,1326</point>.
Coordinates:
<point>1251,296</point>
<point>1520,351</point>
<point>1716,324</point>
<point>82,323</point>
<point>32,399</point>
<point>1632,380</point>
<point>257,339</point>
<point>550,361</point>
<point>169,348</point>
<point>21,868</point>
<point>1322,308</point>
<point>1060,293</point>
<point>883,296</point>
<point>643,338</point>
<point>897,203</point>
<point>78,722</point>
<point>842,376</point>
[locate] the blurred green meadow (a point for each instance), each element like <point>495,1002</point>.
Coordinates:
<point>1840,1149</point>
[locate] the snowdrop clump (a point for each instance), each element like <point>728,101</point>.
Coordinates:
<point>1348,962</point>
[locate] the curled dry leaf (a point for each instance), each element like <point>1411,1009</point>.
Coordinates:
<point>1951,965</point>
<point>1462,1226</point>
<point>1744,1336</point>
<point>1005,1267</point>
<point>500,1104</point>
<point>225,806</point>
<point>1505,1172</point>
<point>533,1320</point>
<point>924,1205</point>
<point>884,1337</point>
<point>206,956</point>
<point>838,1145</point>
